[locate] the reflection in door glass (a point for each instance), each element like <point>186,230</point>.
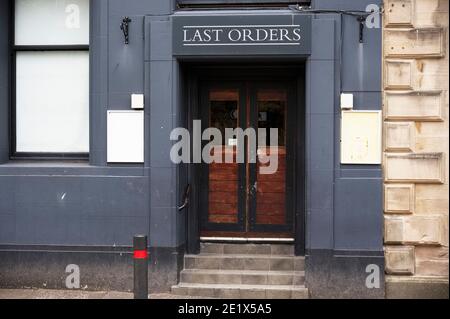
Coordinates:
<point>224,178</point>
<point>271,195</point>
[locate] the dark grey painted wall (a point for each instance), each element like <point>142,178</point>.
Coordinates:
<point>359,188</point>
<point>102,205</point>
<point>343,202</point>
<point>344,207</point>
<point>77,206</point>
<point>92,204</point>
<point>344,212</point>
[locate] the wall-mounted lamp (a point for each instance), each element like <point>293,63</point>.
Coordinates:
<point>361,16</point>
<point>362,21</point>
<point>124,27</point>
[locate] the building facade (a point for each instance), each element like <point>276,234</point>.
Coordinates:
<point>416,147</point>
<point>92,94</point>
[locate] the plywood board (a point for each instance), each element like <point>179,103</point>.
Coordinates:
<point>361,141</point>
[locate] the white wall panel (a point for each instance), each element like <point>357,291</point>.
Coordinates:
<point>125,137</point>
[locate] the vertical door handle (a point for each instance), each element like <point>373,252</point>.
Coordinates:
<point>187,193</point>
<point>253,189</point>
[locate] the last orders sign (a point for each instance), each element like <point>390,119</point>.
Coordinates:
<point>241,35</point>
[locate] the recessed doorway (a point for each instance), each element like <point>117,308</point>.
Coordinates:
<point>239,199</point>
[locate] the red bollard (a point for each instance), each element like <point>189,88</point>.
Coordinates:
<point>140,257</point>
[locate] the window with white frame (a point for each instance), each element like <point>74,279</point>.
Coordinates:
<point>51,70</point>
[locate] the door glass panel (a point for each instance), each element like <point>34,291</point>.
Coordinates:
<point>271,188</point>
<point>224,177</point>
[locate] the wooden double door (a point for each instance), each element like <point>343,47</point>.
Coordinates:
<point>251,196</point>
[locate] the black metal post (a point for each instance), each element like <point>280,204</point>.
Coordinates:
<point>140,257</point>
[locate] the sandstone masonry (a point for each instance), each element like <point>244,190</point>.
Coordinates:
<point>416,144</point>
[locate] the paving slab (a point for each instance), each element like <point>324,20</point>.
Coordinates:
<point>78,294</point>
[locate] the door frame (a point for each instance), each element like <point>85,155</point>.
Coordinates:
<point>294,72</point>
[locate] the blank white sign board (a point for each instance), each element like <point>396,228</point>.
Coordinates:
<point>125,137</point>
<point>361,140</point>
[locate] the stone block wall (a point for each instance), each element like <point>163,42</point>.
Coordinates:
<point>416,141</point>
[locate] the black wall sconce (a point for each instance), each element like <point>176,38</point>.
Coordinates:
<point>361,16</point>
<point>124,26</point>
<point>362,20</point>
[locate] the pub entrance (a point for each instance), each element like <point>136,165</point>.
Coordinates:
<point>253,197</point>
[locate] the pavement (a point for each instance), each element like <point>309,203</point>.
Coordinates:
<point>75,294</point>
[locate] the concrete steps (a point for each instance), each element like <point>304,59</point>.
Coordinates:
<point>246,249</point>
<point>243,277</point>
<point>243,271</point>
<point>244,262</point>
<point>228,291</point>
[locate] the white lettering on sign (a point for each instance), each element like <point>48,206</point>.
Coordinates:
<point>242,35</point>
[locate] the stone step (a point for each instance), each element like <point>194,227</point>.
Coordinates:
<point>246,277</point>
<point>229,291</point>
<point>244,262</point>
<point>247,249</point>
